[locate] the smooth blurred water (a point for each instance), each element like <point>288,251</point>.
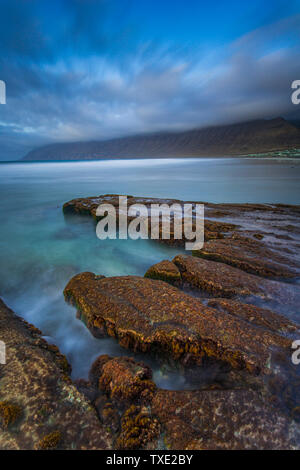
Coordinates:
<point>40,251</point>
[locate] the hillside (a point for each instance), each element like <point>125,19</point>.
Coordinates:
<point>235,139</point>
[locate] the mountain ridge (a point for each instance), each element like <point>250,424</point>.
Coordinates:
<point>250,137</point>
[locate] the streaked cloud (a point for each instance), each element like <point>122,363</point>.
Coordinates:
<point>84,78</point>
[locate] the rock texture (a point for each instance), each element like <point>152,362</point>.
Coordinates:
<point>165,271</point>
<point>40,407</point>
<point>274,226</point>
<point>152,316</point>
<point>215,309</point>
<point>178,420</point>
<point>220,313</point>
<point>221,419</point>
<point>249,255</point>
<point>89,205</point>
<point>258,316</point>
<point>123,379</point>
<point>222,280</point>
<point>218,278</point>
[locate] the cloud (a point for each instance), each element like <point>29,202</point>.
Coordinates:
<point>79,81</point>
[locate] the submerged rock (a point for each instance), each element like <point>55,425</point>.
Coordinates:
<point>152,316</point>
<point>40,407</point>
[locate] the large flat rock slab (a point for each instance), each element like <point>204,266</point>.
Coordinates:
<point>155,317</point>
<point>45,408</point>
<point>259,316</point>
<point>222,419</point>
<point>251,256</point>
<point>276,226</point>
<point>89,205</point>
<point>221,280</point>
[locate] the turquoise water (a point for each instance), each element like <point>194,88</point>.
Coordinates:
<point>41,250</point>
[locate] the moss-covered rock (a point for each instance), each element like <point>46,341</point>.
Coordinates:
<point>50,441</point>
<point>222,419</point>
<point>221,280</point>
<point>138,429</point>
<point>38,397</point>
<point>165,271</point>
<point>258,316</point>
<point>9,413</point>
<point>126,380</point>
<point>251,256</point>
<point>108,413</point>
<point>154,317</point>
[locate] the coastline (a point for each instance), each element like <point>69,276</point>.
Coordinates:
<point>120,386</point>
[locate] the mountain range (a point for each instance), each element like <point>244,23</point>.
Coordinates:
<point>257,136</point>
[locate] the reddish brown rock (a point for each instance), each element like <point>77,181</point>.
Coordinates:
<point>50,441</point>
<point>89,205</point>
<point>9,414</point>
<point>40,406</point>
<point>255,219</point>
<point>222,280</point>
<point>256,315</point>
<point>108,414</point>
<point>221,419</point>
<point>96,369</point>
<point>249,255</point>
<point>126,380</point>
<point>218,278</point>
<point>207,419</point>
<point>138,429</point>
<point>165,271</point>
<point>152,316</point>
<point>85,387</point>
<point>212,230</point>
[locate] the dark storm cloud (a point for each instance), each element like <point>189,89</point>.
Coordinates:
<point>88,78</point>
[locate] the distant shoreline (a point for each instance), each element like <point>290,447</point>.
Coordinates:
<point>264,156</point>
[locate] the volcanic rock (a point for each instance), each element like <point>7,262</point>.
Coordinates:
<point>250,256</point>
<point>165,271</point>
<point>152,316</point>
<point>40,407</point>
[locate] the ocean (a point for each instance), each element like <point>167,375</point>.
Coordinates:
<point>41,250</point>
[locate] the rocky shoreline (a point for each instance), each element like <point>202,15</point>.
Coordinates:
<point>231,306</point>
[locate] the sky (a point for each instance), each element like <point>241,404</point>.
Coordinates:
<point>96,69</point>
